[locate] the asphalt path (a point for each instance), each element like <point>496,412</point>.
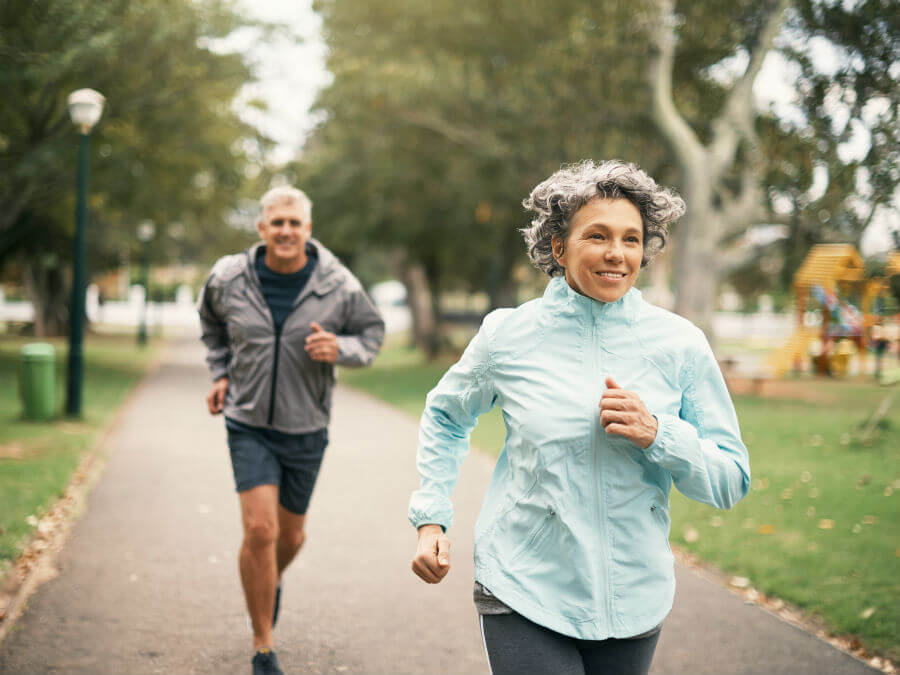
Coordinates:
<point>148,578</point>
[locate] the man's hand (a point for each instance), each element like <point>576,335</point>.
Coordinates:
<point>215,399</point>
<point>321,345</point>
<point>623,413</point>
<point>432,561</point>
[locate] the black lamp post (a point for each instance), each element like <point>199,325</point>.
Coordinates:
<point>85,108</point>
<point>145,233</point>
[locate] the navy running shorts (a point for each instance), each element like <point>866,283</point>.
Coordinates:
<point>269,457</point>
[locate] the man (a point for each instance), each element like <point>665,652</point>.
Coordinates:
<point>276,319</point>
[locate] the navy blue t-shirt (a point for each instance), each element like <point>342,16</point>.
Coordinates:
<point>280,290</point>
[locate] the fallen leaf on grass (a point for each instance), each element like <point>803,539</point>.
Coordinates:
<point>826,524</point>
<point>739,582</point>
<point>11,451</point>
<point>866,613</point>
<point>888,490</point>
<point>857,528</point>
<point>32,520</point>
<point>805,477</point>
<point>767,528</point>
<point>869,520</point>
<point>691,535</point>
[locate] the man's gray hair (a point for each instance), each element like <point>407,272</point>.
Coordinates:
<point>558,198</point>
<point>286,194</point>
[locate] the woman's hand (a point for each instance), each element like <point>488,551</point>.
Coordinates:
<point>432,561</point>
<point>623,413</point>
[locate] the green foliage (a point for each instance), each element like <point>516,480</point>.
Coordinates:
<point>169,146</point>
<point>441,116</point>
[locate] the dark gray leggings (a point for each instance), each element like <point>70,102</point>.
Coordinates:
<point>517,646</point>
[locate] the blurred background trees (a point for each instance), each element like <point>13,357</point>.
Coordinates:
<point>439,119</point>
<point>443,115</point>
<point>170,147</point>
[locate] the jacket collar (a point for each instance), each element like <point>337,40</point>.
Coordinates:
<point>560,298</point>
<point>325,275</point>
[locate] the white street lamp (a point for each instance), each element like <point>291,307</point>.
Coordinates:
<point>85,108</point>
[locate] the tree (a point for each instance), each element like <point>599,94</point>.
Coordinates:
<point>441,118</point>
<point>169,147</point>
<point>722,157</point>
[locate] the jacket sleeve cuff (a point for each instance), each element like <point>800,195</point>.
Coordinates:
<point>664,441</point>
<point>431,514</point>
<point>218,372</point>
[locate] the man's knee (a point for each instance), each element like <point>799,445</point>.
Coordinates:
<point>260,532</point>
<point>293,537</point>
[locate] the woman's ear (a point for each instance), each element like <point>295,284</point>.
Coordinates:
<point>556,244</point>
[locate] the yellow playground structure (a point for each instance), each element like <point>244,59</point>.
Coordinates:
<point>831,274</point>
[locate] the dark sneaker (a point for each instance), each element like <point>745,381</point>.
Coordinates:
<point>266,663</point>
<point>277,604</point>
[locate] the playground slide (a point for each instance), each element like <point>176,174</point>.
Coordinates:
<point>782,360</point>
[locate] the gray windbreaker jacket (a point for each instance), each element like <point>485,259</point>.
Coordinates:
<point>273,383</point>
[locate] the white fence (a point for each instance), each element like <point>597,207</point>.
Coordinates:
<point>181,315</point>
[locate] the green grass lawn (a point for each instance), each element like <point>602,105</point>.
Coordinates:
<point>37,458</point>
<point>820,527</point>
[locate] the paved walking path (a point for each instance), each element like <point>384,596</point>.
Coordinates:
<point>148,580</point>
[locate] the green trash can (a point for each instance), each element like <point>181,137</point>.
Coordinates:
<point>37,381</point>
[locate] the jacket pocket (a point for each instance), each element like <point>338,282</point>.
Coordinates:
<point>537,532</point>
<point>661,518</point>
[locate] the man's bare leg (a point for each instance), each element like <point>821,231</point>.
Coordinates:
<point>258,559</point>
<point>291,536</point>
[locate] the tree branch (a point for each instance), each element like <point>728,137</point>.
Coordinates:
<point>736,120</point>
<point>746,208</point>
<point>677,132</point>
<point>471,139</point>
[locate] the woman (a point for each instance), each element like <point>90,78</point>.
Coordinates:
<point>607,401</point>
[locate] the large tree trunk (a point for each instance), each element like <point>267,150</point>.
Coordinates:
<point>695,265</point>
<point>714,209</point>
<point>425,328</point>
<point>46,288</point>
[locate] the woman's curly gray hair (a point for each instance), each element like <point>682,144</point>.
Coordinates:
<point>555,201</point>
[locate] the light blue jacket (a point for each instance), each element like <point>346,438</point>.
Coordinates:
<point>573,532</point>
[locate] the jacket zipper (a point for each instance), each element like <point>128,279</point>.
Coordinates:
<point>274,371</point>
<point>598,482</point>
<point>274,386</point>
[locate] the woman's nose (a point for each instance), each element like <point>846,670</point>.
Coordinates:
<point>614,252</point>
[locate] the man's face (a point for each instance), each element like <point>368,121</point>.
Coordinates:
<point>285,234</point>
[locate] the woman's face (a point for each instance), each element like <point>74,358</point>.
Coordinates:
<point>602,255</point>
